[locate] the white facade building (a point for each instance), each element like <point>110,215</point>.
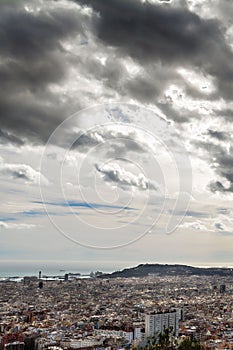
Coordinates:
<point>115,334</point>
<point>156,323</point>
<point>137,333</point>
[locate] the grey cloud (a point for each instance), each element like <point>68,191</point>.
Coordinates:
<point>111,73</point>
<point>151,81</point>
<point>222,136</point>
<point>118,143</point>
<point>6,137</point>
<point>224,211</point>
<point>85,140</point>
<point>219,226</point>
<point>31,116</point>
<point>143,88</point>
<point>120,148</point>
<point>226,113</point>
<point>219,8</point>
<point>32,58</point>
<point>217,186</point>
<point>221,160</point>
<point>31,36</point>
<point>157,37</point>
<point>174,36</point>
<point>181,116</point>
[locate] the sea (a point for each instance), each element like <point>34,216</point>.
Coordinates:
<point>52,267</point>
<point>20,269</point>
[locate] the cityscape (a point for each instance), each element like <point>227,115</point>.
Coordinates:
<point>116,174</point>
<point>70,312</point>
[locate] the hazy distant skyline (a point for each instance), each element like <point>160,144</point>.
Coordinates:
<point>130,104</point>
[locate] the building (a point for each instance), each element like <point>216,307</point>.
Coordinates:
<point>14,346</point>
<point>116,334</point>
<point>180,314</point>
<point>137,333</point>
<point>155,323</point>
<point>222,288</point>
<point>29,279</point>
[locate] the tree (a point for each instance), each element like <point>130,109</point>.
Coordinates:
<point>188,344</point>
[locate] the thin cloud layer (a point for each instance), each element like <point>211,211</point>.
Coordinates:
<point>10,226</point>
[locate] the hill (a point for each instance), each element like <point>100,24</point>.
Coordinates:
<point>143,270</point>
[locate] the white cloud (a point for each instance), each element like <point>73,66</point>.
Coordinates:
<point>114,173</point>
<point>195,225</point>
<point>4,225</point>
<point>22,172</point>
<point>202,82</point>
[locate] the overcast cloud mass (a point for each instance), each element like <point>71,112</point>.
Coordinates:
<point>173,59</point>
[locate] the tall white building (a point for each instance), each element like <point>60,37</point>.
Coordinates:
<point>137,333</point>
<point>155,323</point>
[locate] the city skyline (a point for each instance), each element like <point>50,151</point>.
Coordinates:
<point>115,133</point>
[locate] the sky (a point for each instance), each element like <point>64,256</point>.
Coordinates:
<point>116,133</point>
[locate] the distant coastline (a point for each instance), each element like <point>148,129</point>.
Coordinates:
<point>136,271</point>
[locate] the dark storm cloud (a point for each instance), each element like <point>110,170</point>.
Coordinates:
<point>6,137</point>
<point>30,115</point>
<point>111,73</point>
<point>173,36</point>
<point>143,89</point>
<point>31,59</point>
<point>159,37</point>
<point>28,35</point>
